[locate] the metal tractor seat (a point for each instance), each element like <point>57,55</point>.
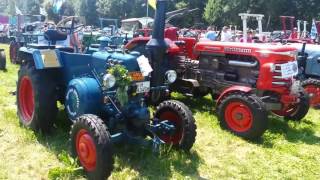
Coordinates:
<point>54,36</point>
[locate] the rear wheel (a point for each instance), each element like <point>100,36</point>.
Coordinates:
<point>91,143</point>
<point>36,104</point>
<point>14,48</point>
<point>180,115</point>
<point>296,112</point>
<point>243,114</point>
<point>312,87</point>
<point>2,60</point>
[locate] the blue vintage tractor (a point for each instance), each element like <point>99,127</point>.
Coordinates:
<point>104,96</point>
<point>309,64</point>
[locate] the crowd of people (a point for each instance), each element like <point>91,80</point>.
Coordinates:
<point>228,34</point>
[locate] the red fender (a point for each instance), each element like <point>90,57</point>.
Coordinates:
<point>231,89</point>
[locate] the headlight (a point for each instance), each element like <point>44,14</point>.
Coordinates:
<point>171,76</point>
<point>109,80</point>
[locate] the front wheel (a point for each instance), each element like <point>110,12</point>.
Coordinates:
<point>312,87</point>
<point>181,117</point>
<point>244,115</point>
<point>90,141</point>
<point>2,60</point>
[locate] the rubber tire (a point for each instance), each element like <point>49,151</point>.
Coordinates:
<point>45,110</point>
<point>156,97</point>
<point>100,134</point>
<point>2,60</point>
<point>14,46</point>
<point>198,92</point>
<point>303,109</point>
<point>258,110</point>
<point>188,122</point>
<point>315,82</point>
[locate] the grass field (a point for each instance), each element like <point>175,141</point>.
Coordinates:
<point>286,151</point>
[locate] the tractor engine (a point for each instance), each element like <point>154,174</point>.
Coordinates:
<point>240,69</point>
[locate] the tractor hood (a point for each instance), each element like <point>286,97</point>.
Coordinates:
<point>312,50</point>
<point>250,49</point>
<point>102,58</point>
<point>313,58</point>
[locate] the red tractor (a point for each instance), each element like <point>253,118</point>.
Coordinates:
<point>248,80</point>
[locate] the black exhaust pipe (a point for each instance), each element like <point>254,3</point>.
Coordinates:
<point>157,46</point>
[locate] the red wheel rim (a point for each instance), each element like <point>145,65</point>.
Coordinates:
<point>287,111</point>
<point>26,99</point>
<point>238,116</point>
<point>314,93</point>
<point>86,150</point>
<point>174,118</point>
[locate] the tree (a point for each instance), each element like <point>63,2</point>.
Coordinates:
<point>33,7</point>
<point>221,12</point>
<point>114,8</point>
<point>66,10</point>
<point>11,10</point>
<point>88,9</point>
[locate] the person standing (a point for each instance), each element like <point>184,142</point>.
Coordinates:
<point>211,34</point>
<point>225,34</point>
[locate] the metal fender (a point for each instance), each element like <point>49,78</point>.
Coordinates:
<point>231,89</point>
<point>83,96</point>
<point>43,59</point>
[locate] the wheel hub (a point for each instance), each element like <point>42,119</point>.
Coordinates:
<point>177,122</point>
<point>86,150</point>
<point>238,116</point>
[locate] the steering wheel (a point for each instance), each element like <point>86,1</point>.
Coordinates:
<point>63,25</point>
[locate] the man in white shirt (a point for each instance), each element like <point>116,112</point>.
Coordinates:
<point>226,35</point>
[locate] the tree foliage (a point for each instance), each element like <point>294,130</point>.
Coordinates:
<point>88,9</point>
<point>216,12</point>
<point>67,9</point>
<point>114,8</point>
<point>220,12</point>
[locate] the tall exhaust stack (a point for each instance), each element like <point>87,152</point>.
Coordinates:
<point>157,46</point>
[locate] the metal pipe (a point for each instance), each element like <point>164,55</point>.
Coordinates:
<point>243,64</point>
<point>279,83</point>
<point>157,46</point>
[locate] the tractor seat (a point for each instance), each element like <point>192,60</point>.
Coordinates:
<point>54,35</point>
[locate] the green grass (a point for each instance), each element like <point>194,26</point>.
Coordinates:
<point>286,151</point>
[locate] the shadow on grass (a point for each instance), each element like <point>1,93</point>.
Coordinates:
<point>297,132</point>
<point>204,104</point>
<point>135,157</point>
<point>161,166</point>
<point>293,132</point>
<point>58,139</point>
